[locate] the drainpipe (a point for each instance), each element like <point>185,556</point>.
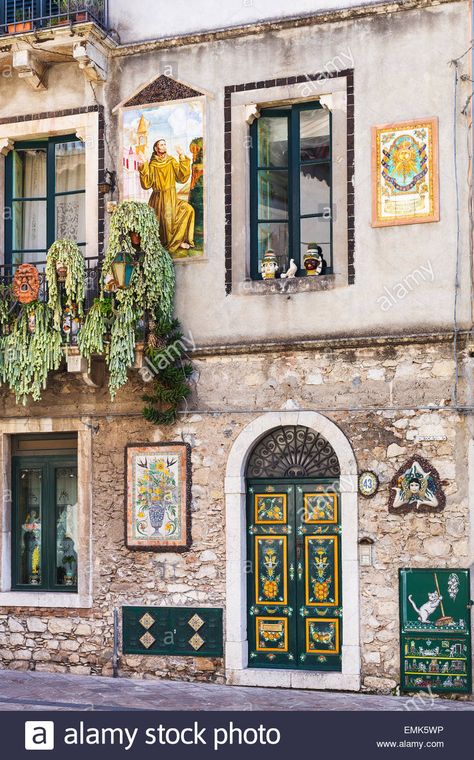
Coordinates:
<point>115,655</point>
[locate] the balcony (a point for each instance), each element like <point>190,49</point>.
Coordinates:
<point>34,32</point>
<point>70,325</point>
<point>25,16</point>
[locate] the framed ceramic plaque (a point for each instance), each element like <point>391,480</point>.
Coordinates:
<point>158,497</point>
<point>405,173</point>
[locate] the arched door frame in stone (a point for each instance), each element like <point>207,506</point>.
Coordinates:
<point>236,644</point>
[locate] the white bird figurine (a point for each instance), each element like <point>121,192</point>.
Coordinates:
<point>291,271</point>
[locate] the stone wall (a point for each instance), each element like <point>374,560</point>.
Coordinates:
<point>380,397</point>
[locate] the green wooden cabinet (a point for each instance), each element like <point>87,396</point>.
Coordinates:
<point>294,578</point>
<point>187,631</point>
<point>435,630</point>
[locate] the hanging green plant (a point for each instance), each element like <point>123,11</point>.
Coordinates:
<point>65,263</point>
<point>155,289</point>
<point>91,338</point>
<point>133,237</point>
<point>32,349</point>
<point>5,305</point>
<point>171,384</point>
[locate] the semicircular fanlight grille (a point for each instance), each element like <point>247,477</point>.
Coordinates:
<point>293,451</point>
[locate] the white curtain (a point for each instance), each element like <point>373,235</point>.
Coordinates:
<point>30,217</point>
<point>70,175</point>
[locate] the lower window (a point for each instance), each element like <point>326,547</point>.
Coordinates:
<point>45,521</point>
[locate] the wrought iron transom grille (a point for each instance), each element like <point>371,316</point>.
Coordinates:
<point>293,451</point>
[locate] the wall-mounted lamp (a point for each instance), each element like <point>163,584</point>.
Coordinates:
<point>366,552</point>
<point>108,183</point>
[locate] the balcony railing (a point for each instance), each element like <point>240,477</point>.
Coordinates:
<point>70,327</point>
<point>22,16</point>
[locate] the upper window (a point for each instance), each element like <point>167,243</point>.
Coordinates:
<point>45,196</point>
<point>45,515</point>
<point>290,197</point>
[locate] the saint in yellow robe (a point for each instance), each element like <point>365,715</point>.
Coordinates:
<point>176,217</point>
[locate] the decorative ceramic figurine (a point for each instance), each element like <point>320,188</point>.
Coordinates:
<point>61,271</point>
<point>269,265</point>
<point>26,283</point>
<point>313,259</point>
<point>291,273</point>
<point>31,322</point>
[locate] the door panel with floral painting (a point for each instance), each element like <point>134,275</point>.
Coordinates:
<point>294,588</point>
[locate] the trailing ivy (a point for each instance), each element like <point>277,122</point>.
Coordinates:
<point>68,254</point>
<point>172,373</point>
<point>29,356</point>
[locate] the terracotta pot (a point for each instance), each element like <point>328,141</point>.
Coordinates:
<point>26,283</point>
<point>80,17</point>
<point>22,26</point>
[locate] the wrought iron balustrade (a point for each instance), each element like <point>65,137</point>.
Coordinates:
<point>21,16</point>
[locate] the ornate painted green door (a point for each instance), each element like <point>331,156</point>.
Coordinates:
<point>294,577</point>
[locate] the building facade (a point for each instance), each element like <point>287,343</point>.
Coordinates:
<point>300,384</point>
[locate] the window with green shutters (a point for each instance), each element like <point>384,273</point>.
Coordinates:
<point>291,193</point>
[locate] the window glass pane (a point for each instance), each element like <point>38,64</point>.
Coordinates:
<point>272,194</point>
<point>66,526</point>
<point>29,225</point>
<point>314,135</point>
<point>29,173</point>
<point>273,141</point>
<point>70,217</point>
<point>70,166</point>
<point>274,236</point>
<point>315,183</point>
<point>316,230</point>
<point>30,516</point>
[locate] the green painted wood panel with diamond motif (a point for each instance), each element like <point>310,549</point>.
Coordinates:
<point>188,631</point>
<point>294,575</point>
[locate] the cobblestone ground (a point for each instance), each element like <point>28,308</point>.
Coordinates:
<point>33,691</point>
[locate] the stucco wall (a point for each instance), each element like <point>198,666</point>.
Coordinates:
<point>148,21</point>
<point>402,71</point>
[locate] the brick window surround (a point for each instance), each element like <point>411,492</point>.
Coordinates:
<point>305,79</point>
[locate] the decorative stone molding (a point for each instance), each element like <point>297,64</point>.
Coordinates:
<point>236,648</point>
<point>30,68</point>
<point>252,113</point>
<point>91,61</point>
<point>6,145</point>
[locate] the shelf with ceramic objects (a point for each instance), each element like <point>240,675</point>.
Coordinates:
<point>435,630</point>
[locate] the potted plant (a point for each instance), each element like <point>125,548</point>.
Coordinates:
<point>80,15</point>
<point>150,289</point>
<point>22,23</point>
<point>65,268</point>
<point>63,10</point>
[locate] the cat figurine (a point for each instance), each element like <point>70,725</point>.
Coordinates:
<point>426,609</point>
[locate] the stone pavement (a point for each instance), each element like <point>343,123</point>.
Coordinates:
<point>39,691</point>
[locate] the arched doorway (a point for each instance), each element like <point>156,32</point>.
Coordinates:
<point>294,590</point>
<point>239,667</point>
